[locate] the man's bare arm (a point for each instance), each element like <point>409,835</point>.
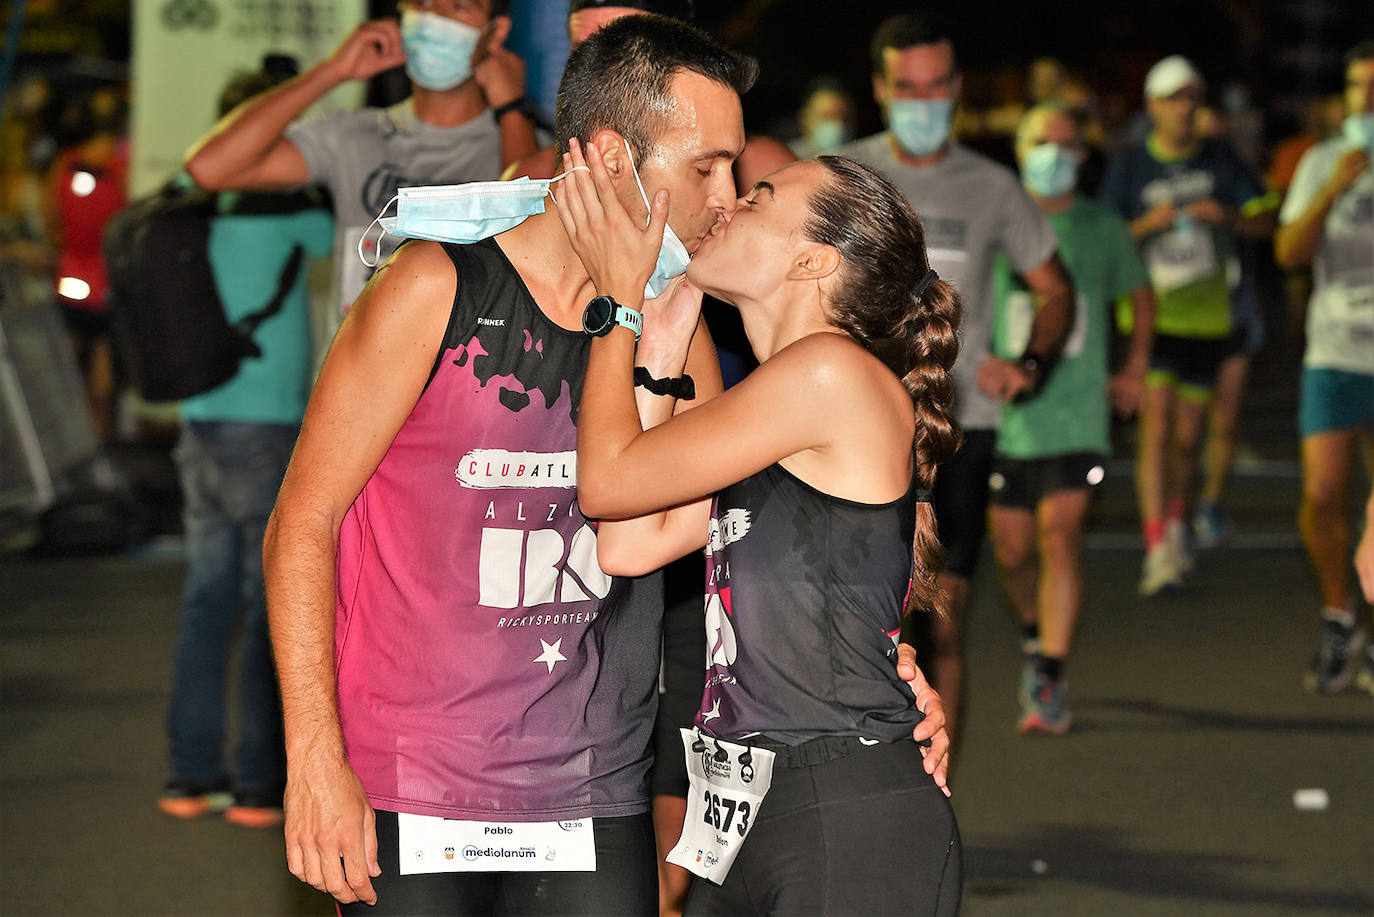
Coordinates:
<point>370,381</point>
<point>248,149</point>
<point>1296,243</point>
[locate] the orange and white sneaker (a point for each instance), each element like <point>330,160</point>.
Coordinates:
<point>183,799</point>
<point>256,810</point>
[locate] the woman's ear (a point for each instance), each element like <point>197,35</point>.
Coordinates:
<point>815,262</point>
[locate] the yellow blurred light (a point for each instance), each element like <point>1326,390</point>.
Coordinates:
<point>73,288</point>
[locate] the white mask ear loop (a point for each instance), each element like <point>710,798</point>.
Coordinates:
<point>562,175</point>
<point>649,217</point>
<point>375,221</point>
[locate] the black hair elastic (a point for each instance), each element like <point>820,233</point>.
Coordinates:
<point>923,495</point>
<point>924,283</point>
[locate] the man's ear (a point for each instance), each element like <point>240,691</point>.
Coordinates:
<point>615,153</point>
<point>815,262</point>
<point>879,90</point>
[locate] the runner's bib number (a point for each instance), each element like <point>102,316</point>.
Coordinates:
<point>1019,318</point>
<point>728,784</point>
<point>1180,256</point>
<point>428,844</point>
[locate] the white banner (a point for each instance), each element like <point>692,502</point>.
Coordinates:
<point>185,51</point>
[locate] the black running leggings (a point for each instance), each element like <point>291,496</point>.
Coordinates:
<point>868,833</point>
<point>625,881</point>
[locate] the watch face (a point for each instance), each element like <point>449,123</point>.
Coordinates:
<point>597,319</point>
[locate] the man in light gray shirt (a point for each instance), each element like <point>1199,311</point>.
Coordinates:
<point>972,209</point>
<point>441,134</point>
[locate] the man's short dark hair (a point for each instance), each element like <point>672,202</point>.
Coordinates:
<point>621,78</point>
<point>1362,51</point>
<point>276,69</point>
<point>909,30</point>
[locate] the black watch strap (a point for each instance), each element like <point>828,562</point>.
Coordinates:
<point>681,387</point>
<point>520,104</point>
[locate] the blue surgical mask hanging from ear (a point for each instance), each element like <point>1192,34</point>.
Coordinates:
<point>921,126</point>
<point>462,213</point>
<point>672,254</point>
<point>438,49</point>
<point>1050,170</point>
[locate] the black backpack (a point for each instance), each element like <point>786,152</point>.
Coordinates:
<point>167,316</point>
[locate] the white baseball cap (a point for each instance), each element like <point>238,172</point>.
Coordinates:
<point>1170,75</point>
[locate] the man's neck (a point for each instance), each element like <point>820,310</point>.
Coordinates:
<point>540,250</point>
<point>1172,147</point>
<point>1053,205</point>
<point>451,107</point>
<point>908,159</point>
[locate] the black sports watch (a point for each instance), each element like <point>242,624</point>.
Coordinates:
<point>1038,368</point>
<point>603,313</point>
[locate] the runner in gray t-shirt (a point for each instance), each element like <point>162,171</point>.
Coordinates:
<point>442,134</point>
<point>972,209</point>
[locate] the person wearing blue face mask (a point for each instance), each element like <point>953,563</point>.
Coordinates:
<point>973,208</point>
<point>1327,220</point>
<point>1052,450</point>
<point>464,120</point>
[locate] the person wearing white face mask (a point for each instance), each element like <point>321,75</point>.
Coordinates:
<point>972,208</point>
<point>1052,450</point>
<point>1327,220</point>
<point>464,120</point>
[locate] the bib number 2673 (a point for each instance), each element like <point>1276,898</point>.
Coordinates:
<point>728,784</point>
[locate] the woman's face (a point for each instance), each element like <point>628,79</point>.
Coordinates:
<point>748,254</point>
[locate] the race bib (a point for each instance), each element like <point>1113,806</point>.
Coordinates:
<point>1180,256</point>
<point>428,844</point>
<point>1019,316</point>
<point>728,784</point>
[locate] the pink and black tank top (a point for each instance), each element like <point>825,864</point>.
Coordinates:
<point>804,595</point>
<point>487,668</point>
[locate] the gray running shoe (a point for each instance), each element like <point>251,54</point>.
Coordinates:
<point>1048,710</point>
<point>1340,652</point>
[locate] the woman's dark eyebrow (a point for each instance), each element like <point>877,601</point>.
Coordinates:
<point>763,186</point>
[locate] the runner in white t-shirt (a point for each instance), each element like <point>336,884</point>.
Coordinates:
<point>1328,221</point>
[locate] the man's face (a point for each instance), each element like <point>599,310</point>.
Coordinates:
<point>583,23</point>
<point>920,72</point>
<point>1359,87</point>
<point>1052,127</point>
<point>692,158</point>
<point>826,105</point>
<point>1175,115</point>
<point>476,13</point>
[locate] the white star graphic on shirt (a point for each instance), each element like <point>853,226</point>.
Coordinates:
<point>713,713</point>
<point>551,656</point>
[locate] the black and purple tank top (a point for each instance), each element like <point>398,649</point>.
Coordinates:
<point>487,668</point>
<point>804,595</point>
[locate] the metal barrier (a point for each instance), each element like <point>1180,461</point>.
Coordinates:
<point>45,425</point>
